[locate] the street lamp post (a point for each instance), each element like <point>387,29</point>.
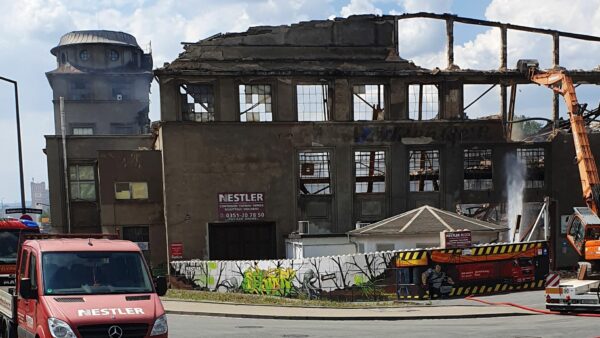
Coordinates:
<point>18,140</point>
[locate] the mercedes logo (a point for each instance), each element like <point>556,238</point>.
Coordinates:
<point>115,331</point>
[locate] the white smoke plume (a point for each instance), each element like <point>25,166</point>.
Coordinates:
<point>515,186</point>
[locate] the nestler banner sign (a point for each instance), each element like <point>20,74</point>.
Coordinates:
<point>110,311</point>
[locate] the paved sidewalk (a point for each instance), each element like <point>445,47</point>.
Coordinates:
<point>435,311</point>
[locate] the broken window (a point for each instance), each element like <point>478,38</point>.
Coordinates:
<point>256,103</point>
<point>198,102</point>
<point>423,102</point>
<point>533,160</point>
<point>369,171</point>
<point>312,102</point>
<point>82,182</point>
<point>424,170</point>
<point>368,102</point>
<point>131,190</point>
<point>79,90</point>
<point>314,176</point>
<point>477,164</point>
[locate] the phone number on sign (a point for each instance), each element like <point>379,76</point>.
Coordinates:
<point>244,215</point>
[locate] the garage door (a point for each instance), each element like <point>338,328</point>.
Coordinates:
<point>242,240</point>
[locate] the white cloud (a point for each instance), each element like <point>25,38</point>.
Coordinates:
<point>437,6</point>
<point>360,7</point>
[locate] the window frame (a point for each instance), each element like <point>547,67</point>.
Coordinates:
<point>381,115</point>
<point>479,182</point>
<point>210,116</point>
<point>131,190</point>
<point>269,116</point>
<point>327,103</point>
<point>439,161</point>
<point>385,169</point>
<point>78,181</point>
<point>420,102</point>
<point>529,182</point>
<point>330,170</point>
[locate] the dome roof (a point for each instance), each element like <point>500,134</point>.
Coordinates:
<point>96,37</point>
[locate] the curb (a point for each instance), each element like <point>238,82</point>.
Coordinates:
<point>387,318</point>
<point>408,304</point>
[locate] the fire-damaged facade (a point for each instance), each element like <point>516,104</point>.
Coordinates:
<point>321,126</point>
<point>333,127</point>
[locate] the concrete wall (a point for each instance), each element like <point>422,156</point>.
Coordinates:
<point>133,166</point>
<point>202,160</point>
<point>85,215</point>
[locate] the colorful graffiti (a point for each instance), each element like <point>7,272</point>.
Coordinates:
<point>274,282</point>
<point>410,274</point>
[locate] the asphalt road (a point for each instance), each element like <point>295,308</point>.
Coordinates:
<point>522,327</point>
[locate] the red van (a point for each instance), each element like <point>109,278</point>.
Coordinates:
<point>83,287</point>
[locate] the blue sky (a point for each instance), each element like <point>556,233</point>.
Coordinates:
<point>30,28</point>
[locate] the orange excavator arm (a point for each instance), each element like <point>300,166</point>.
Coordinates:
<point>584,227</point>
<point>561,83</point>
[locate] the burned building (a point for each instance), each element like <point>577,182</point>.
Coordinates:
<point>103,175</point>
<point>324,124</point>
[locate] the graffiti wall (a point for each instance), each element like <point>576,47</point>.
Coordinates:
<point>408,274</point>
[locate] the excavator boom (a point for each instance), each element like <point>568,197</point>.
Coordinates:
<point>584,228</point>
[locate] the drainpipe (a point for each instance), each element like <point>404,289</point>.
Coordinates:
<point>65,167</point>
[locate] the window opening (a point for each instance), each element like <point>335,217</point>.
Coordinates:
<point>131,190</point>
<point>370,171</point>
<point>315,178</point>
<point>533,159</point>
<point>423,102</point>
<point>114,55</point>
<point>83,131</point>
<point>424,170</point>
<point>84,55</point>
<point>198,102</point>
<point>79,90</point>
<point>477,165</point>
<point>255,103</point>
<point>83,185</point>
<point>368,102</point>
<point>312,102</point>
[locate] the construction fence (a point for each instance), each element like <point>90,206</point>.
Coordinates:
<point>404,274</point>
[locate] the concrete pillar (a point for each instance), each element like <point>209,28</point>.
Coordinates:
<point>451,100</point>
<point>450,42</point>
<point>343,101</point>
<point>344,187</point>
<point>228,107</point>
<point>503,48</point>
<point>398,100</point>
<point>285,101</point>
<point>170,109</point>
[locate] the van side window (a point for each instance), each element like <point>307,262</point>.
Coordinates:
<point>23,263</point>
<point>32,271</point>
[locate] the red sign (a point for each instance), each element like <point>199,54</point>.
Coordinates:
<point>455,239</point>
<point>241,206</point>
<point>176,250</point>
<point>8,269</point>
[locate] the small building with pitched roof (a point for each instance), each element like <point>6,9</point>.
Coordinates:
<point>421,228</point>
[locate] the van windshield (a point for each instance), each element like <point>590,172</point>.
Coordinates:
<point>79,273</point>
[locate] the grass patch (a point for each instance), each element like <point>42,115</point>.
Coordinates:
<point>242,298</point>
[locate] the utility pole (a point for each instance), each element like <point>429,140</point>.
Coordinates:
<point>19,147</point>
